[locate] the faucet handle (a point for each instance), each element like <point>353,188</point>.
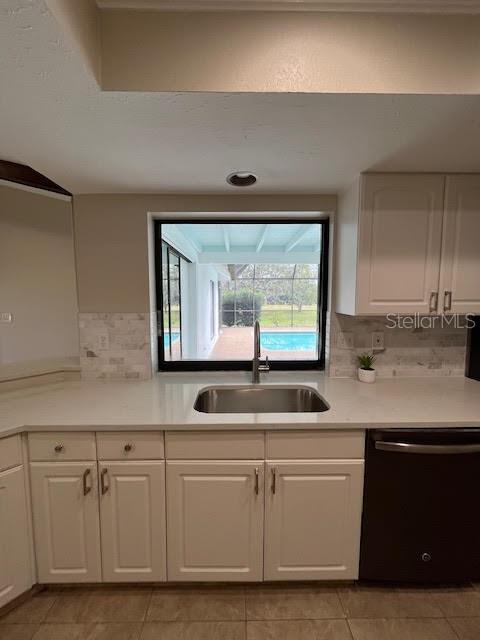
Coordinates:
<point>265,366</point>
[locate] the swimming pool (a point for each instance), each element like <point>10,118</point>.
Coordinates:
<point>166,338</point>
<point>288,340</point>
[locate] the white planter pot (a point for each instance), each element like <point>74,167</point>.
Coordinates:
<point>367,375</point>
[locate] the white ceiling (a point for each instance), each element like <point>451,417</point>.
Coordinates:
<point>410,6</point>
<point>258,238</point>
<point>54,117</point>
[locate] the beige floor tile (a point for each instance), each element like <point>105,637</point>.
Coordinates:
<point>466,628</point>
<point>62,632</point>
<point>298,630</point>
<point>297,603</point>
<point>18,631</point>
<point>114,605</point>
<point>461,602</point>
<point>66,607</point>
<point>32,611</point>
<point>197,604</point>
<point>386,602</point>
<point>115,631</point>
<point>193,631</point>
<point>396,629</point>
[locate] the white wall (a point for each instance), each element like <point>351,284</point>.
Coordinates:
<point>197,342</point>
<point>37,279</point>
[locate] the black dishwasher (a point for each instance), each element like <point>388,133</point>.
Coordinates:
<point>421,513</point>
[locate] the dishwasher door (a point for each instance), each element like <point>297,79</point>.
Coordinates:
<point>421,513</point>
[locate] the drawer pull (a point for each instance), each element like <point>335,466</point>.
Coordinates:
<point>128,447</point>
<point>103,485</point>
<point>59,448</point>
<point>447,301</point>
<point>86,487</point>
<point>274,480</point>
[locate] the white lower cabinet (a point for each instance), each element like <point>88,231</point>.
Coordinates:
<point>66,524</point>
<point>215,520</point>
<point>132,519</point>
<point>312,519</point>
<point>15,573</point>
<point>185,519</point>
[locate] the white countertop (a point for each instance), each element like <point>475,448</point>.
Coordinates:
<point>166,402</point>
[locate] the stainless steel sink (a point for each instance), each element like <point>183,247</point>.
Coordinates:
<point>260,399</point>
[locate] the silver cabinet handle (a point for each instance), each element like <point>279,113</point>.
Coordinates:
<point>257,484</point>
<point>447,301</point>
<point>433,306</point>
<point>59,448</point>
<point>128,447</point>
<point>103,485</point>
<point>274,480</point>
<point>439,449</point>
<point>86,487</point>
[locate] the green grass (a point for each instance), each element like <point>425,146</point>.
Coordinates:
<point>279,316</point>
<point>273,315</point>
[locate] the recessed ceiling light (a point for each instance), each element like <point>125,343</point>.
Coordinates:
<point>241,179</point>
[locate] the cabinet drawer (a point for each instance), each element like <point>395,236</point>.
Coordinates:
<point>215,445</point>
<point>62,446</point>
<point>130,445</point>
<point>315,444</point>
<point>10,452</point>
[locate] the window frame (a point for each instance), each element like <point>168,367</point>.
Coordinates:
<point>245,365</point>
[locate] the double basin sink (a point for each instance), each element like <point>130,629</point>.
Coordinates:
<point>260,399</point>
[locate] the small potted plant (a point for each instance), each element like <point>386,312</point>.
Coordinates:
<point>366,372</point>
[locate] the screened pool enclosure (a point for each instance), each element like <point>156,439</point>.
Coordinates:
<point>217,279</point>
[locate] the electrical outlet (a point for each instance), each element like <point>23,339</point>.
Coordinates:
<point>345,340</point>
<point>378,340</point>
<point>6,317</point>
<point>103,341</point>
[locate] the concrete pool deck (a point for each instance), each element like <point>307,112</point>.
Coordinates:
<point>236,343</point>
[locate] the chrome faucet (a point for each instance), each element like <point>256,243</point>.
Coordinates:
<point>256,364</point>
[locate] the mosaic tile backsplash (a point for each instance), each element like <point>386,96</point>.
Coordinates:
<point>115,346</point>
<point>438,351</point>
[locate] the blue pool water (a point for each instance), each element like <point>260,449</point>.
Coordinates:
<point>288,340</point>
<point>166,338</point>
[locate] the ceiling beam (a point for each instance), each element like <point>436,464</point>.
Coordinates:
<point>184,233</point>
<point>298,237</point>
<point>261,240</point>
<point>252,257</point>
<point>28,177</point>
<point>226,237</point>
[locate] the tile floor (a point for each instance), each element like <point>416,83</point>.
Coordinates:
<point>286,612</point>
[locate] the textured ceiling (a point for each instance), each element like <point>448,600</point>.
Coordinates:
<point>54,117</point>
<point>411,6</point>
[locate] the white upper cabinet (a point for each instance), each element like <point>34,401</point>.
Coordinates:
<point>15,575</point>
<point>65,517</point>
<point>215,520</point>
<point>132,517</point>
<point>460,273</point>
<point>409,243</point>
<point>312,519</point>
<point>400,239</point>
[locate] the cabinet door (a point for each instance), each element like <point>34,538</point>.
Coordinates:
<point>132,517</point>
<point>312,520</point>
<point>66,523</point>
<point>15,576</point>
<point>400,242</point>
<point>215,521</point>
<point>460,274</point>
